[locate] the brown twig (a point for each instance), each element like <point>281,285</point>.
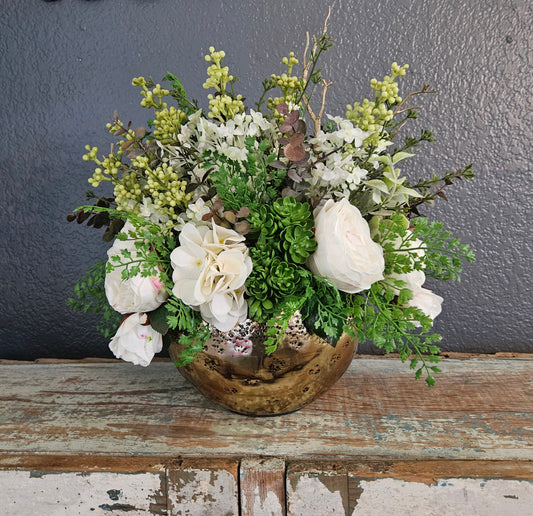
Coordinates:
<point>401,109</point>
<point>325,85</point>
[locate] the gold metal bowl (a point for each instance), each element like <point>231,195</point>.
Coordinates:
<point>234,371</point>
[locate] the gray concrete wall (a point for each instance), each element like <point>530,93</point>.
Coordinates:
<point>65,65</point>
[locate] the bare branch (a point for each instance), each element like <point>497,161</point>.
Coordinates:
<point>401,106</point>
<point>325,31</point>
<point>306,67</point>
<point>325,86</point>
<point>305,63</point>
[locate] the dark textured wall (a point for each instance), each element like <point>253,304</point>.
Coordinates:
<point>67,64</point>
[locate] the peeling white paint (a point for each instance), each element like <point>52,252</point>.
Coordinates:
<point>269,506</point>
<point>202,492</point>
<point>311,496</point>
<point>450,497</point>
<point>267,476</point>
<point>24,493</point>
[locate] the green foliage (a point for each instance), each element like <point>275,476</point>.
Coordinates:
<point>180,316</point>
<point>180,95</point>
<point>279,321</point>
<point>444,255</point>
<point>411,142</point>
<point>425,246</point>
<point>283,242</point>
<point>377,316</point>
<point>249,184</point>
<point>159,319</point>
<point>272,281</point>
<point>402,252</point>
<point>177,320</point>
<point>89,296</point>
<point>325,312</point>
<point>152,248</point>
<point>298,243</point>
<point>432,188</point>
<point>192,343</point>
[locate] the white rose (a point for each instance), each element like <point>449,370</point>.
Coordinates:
<point>136,341</point>
<point>425,300</point>
<point>210,269</point>
<point>346,253</point>
<point>137,294</point>
<point>413,279</point>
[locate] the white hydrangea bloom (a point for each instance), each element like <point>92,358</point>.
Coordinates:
<point>194,213</point>
<point>339,174</point>
<point>210,269</point>
<point>151,213</point>
<point>228,139</point>
<point>347,132</point>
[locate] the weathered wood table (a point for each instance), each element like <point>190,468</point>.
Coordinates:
<point>106,437</point>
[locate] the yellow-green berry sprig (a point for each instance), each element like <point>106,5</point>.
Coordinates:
<point>387,89</point>
<point>373,116</point>
<point>140,162</point>
<point>128,192</point>
<point>167,124</point>
<point>224,105</point>
<point>167,190</point>
<point>106,170</point>
<point>151,98</point>
<point>289,85</point>
<point>92,153</point>
<point>290,62</point>
<point>218,75</point>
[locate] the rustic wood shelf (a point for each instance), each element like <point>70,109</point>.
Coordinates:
<point>377,431</point>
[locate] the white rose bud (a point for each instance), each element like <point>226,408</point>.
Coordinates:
<point>137,294</point>
<point>136,341</point>
<point>415,278</point>
<point>425,300</point>
<point>346,253</point>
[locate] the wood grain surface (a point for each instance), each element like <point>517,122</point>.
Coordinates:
<point>481,408</point>
<point>99,436</point>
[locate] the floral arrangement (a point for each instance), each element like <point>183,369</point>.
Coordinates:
<point>262,213</point>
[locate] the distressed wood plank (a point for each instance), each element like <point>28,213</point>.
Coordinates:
<point>425,488</point>
<point>262,487</point>
<point>317,488</point>
<point>36,492</point>
<point>451,496</point>
<point>410,488</point>
<point>86,463</point>
<point>481,408</point>
<point>429,471</point>
<point>203,488</point>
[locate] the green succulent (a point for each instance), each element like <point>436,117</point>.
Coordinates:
<point>298,243</point>
<point>284,279</point>
<point>290,212</point>
<point>271,281</point>
<point>263,222</point>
